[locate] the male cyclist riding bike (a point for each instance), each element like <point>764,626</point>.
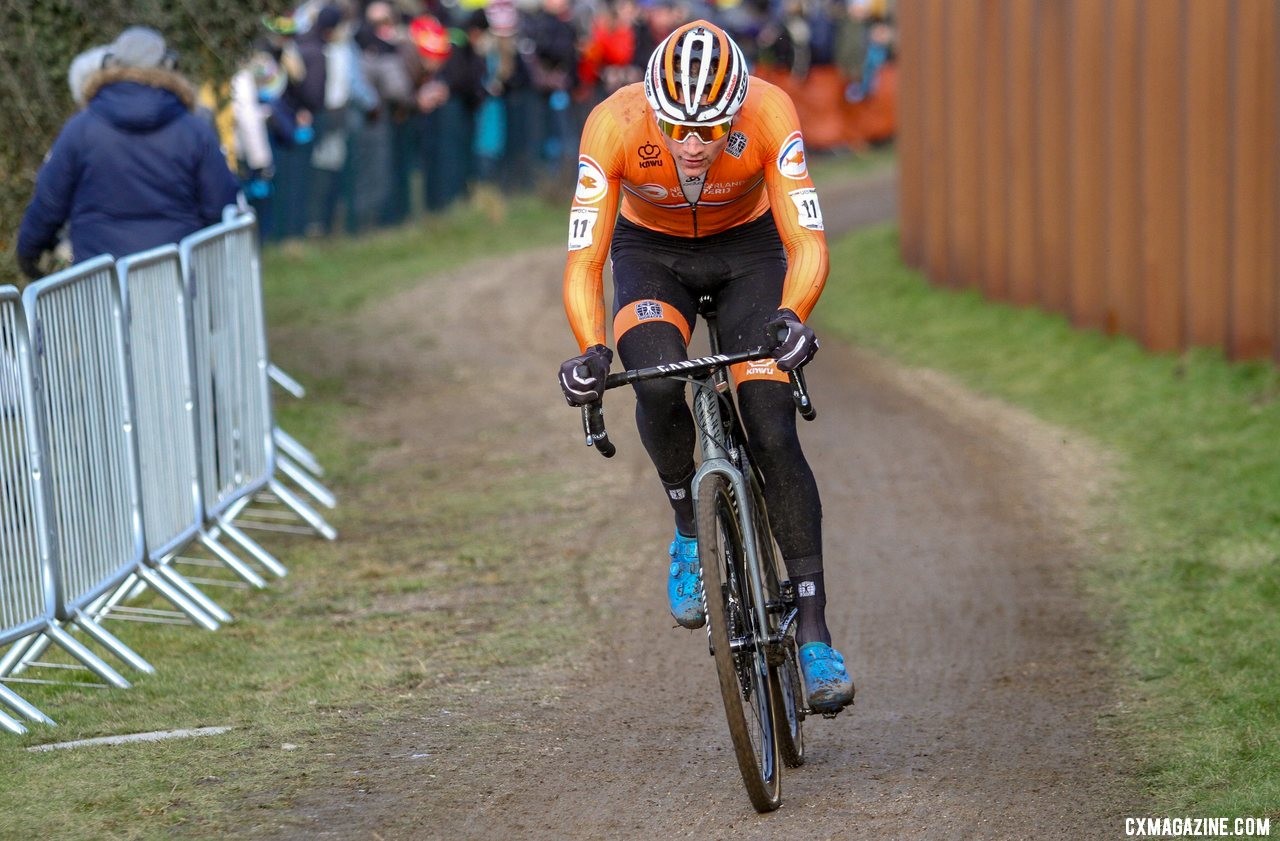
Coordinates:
<point>708,166</point>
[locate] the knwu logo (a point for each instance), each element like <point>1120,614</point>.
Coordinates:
<point>648,310</point>
<point>650,155</point>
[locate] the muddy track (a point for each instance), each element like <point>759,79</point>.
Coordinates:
<point>950,557</point>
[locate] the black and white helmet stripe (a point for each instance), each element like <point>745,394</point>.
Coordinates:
<point>696,75</point>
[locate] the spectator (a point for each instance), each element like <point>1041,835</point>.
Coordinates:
<point>608,60</point>
<point>305,97</point>
<point>259,117</point>
<point>134,169</point>
<point>450,91</point>
<point>496,46</point>
<point>385,56</point>
<point>549,49</point>
<point>348,98</point>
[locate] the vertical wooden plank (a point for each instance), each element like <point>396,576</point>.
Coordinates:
<point>1253,212</point>
<point>1122,234</point>
<point>993,143</point>
<point>1086,162</point>
<point>1162,154</point>
<point>910,133</point>
<point>1021,101</point>
<point>1207,173</point>
<point>1275,181</point>
<point>1052,188</point>
<point>963,189</point>
<point>936,142</point>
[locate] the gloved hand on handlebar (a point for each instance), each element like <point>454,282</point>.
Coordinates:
<point>789,341</point>
<point>582,387</point>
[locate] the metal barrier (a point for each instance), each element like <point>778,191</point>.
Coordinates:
<point>164,404</point>
<point>82,414</point>
<point>238,457</point>
<point>26,576</point>
<point>135,419</point>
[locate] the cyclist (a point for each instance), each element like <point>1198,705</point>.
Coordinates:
<point>708,167</point>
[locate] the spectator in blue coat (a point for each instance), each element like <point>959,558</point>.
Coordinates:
<point>135,169</point>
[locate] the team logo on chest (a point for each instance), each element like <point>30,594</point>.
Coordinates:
<point>737,144</point>
<point>650,155</point>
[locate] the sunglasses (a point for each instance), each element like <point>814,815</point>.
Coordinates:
<point>709,133</point>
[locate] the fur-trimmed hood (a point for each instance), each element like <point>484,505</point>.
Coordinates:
<point>138,99</point>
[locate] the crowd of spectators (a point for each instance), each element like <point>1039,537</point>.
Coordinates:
<point>347,115</point>
<point>353,114</point>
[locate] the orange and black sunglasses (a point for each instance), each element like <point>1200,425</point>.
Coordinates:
<point>709,133</point>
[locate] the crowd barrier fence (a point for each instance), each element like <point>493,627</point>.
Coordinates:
<point>135,421</point>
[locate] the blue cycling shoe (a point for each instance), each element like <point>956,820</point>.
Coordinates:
<point>826,680</point>
<point>684,587</point>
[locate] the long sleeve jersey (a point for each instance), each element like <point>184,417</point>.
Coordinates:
<point>623,163</point>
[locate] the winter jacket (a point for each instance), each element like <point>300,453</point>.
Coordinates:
<point>134,170</point>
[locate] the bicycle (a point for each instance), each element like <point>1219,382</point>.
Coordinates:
<point>750,603</point>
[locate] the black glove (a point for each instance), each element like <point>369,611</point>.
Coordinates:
<point>790,342</point>
<point>581,388</point>
<point>30,265</point>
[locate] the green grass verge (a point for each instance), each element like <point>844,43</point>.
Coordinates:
<point>1192,591</point>
<point>310,282</point>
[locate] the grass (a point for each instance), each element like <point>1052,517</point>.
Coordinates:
<point>1192,594</point>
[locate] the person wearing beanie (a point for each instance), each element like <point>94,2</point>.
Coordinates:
<point>135,168</point>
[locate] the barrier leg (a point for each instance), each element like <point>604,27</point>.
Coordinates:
<point>288,445</point>
<point>285,381</point>
<point>18,655</point>
<point>193,593</point>
<point>262,556</point>
<point>92,662</point>
<point>130,588</point>
<point>303,510</point>
<point>24,707</point>
<point>318,492</point>
<point>179,599</point>
<point>231,560</point>
<point>11,724</point>
<point>108,641</point>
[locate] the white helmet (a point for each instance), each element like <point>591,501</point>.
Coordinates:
<point>697,75</point>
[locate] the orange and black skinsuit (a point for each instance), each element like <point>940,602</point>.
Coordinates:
<point>752,237</point>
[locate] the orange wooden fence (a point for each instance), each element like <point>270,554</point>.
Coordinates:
<point>1117,161</point>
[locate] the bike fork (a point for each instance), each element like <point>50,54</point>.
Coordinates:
<point>726,469</point>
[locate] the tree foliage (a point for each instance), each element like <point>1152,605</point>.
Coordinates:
<point>38,40</point>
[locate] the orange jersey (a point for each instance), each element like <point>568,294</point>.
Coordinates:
<point>623,162</point>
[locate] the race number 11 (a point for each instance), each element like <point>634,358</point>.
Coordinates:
<point>806,202</point>
<point>582,226</point>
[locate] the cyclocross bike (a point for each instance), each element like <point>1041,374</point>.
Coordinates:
<point>750,603</point>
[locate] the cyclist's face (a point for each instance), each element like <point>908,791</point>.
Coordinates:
<point>694,156</point>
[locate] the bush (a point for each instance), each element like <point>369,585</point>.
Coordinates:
<point>38,41</point>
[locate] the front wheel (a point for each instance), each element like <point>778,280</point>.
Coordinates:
<point>746,677</point>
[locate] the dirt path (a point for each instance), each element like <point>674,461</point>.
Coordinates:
<point>948,524</point>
